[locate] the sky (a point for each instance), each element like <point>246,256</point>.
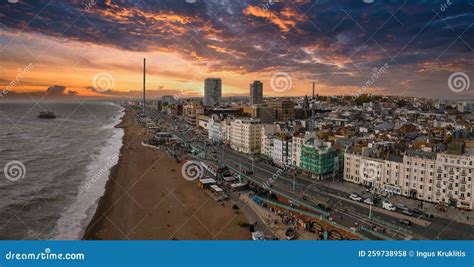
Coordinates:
<point>96,48</point>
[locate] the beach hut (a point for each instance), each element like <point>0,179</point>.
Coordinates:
<point>206,182</point>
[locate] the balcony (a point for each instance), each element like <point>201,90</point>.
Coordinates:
<point>463,181</point>
<point>438,193</point>
<point>440,170</point>
<point>462,189</point>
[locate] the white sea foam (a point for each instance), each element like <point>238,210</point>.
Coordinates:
<point>76,217</point>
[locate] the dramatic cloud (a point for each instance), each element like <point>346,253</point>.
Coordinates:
<point>336,43</point>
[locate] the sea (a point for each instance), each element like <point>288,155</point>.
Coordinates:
<point>54,171</point>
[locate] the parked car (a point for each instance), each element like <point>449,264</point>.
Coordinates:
<point>376,198</point>
<point>388,206</point>
<point>408,212</point>
<point>401,207</point>
<point>428,215</point>
<point>369,201</point>
<point>355,197</point>
<point>405,222</point>
<point>417,212</point>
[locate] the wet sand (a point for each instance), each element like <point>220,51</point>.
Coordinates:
<point>147,198</point>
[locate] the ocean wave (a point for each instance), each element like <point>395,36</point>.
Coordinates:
<point>76,217</point>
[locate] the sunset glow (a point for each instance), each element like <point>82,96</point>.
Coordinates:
<point>337,46</point>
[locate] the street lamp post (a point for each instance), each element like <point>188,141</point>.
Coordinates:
<point>240,171</point>
<point>370,212</point>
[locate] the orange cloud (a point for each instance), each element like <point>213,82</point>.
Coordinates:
<point>162,22</point>
<point>286,21</point>
<point>226,50</point>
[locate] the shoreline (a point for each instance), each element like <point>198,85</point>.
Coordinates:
<point>108,184</point>
<point>146,197</point>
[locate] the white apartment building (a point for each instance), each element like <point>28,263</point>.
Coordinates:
<point>268,134</point>
<point>363,170</point>
<point>392,174</point>
<point>418,175</point>
<point>266,147</point>
<point>226,130</point>
<point>438,178</point>
<point>454,180</point>
<point>282,151</point>
<point>296,144</point>
<point>214,130</point>
<point>245,136</point>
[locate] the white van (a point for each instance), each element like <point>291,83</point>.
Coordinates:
<point>388,206</point>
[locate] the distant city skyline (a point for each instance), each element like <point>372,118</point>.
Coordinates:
<point>346,47</point>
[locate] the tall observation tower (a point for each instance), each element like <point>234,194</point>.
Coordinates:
<point>144,87</point>
<point>313,103</point>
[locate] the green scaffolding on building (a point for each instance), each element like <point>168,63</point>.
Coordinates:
<point>317,158</point>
